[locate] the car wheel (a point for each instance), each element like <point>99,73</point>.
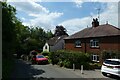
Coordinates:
<point>104,74</point>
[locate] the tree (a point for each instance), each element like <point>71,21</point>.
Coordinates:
<point>18,38</point>
<point>8,29</point>
<point>49,34</point>
<point>35,40</point>
<point>60,30</point>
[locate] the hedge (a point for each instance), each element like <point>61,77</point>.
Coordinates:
<point>45,53</point>
<point>68,58</point>
<point>106,54</point>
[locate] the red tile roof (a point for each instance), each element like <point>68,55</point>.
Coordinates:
<point>99,31</point>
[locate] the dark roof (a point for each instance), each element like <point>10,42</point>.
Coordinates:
<point>99,31</point>
<point>52,41</point>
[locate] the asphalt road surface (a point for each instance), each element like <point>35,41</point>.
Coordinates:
<point>26,70</point>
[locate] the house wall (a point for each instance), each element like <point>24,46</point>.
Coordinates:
<point>58,46</point>
<point>46,49</point>
<point>105,43</point>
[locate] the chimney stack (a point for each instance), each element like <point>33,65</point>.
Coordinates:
<point>95,22</point>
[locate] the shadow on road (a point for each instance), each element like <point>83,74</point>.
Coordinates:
<point>23,70</point>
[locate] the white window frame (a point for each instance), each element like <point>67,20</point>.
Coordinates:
<point>95,58</point>
<point>78,43</point>
<point>94,43</point>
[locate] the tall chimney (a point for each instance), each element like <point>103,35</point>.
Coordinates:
<point>95,22</point>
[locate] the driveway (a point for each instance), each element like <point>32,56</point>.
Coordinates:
<point>25,70</point>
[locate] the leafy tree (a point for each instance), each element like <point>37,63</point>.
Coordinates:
<point>18,38</point>
<point>60,30</point>
<point>8,29</point>
<point>49,34</point>
<point>33,38</point>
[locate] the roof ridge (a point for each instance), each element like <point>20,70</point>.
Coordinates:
<point>101,30</point>
<point>54,40</point>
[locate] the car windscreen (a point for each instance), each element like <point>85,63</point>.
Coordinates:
<point>40,56</point>
<point>112,62</point>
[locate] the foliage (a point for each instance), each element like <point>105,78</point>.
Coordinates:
<point>106,54</point>
<point>17,38</point>
<point>45,53</point>
<point>7,67</point>
<point>8,29</point>
<point>60,30</point>
<point>95,65</point>
<point>68,58</point>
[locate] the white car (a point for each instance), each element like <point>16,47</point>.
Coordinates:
<point>111,67</point>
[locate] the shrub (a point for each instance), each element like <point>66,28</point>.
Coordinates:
<point>86,65</point>
<point>95,65</point>
<point>45,53</point>
<point>68,58</point>
<point>54,58</point>
<point>67,64</point>
<point>106,54</point>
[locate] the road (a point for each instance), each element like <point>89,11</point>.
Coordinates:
<point>55,72</point>
<point>25,70</point>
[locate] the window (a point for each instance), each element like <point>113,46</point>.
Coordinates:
<point>112,62</point>
<point>94,43</point>
<point>40,56</point>
<point>95,58</point>
<point>77,43</point>
<point>45,47</point>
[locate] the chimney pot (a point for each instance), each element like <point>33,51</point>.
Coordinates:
<point>95,22</point>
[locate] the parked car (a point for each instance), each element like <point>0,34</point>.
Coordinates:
<point>111,67</point>
<point>40,59</point>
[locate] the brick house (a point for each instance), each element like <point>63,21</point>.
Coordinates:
<point>94,40</point>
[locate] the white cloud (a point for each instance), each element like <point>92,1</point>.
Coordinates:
<point>75,25</point>
<point>110,14</point>
<point>23,18</point>
<point>41,15</point>
<point>64,0</point>
<point>29,7</point>
<point>79,3</point>
<point>45,19</point>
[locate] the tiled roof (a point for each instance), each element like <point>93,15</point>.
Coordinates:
<point>99,31</point>
<point>52,41</point>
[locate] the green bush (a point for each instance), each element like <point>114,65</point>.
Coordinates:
<point>54,58</point>
<point>106,54</point>
<point>95,65</point>
<point>45,53</point>
<point>86,65</point>
<point>68,58</point>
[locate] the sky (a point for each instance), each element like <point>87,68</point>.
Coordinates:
<point>74,15</point>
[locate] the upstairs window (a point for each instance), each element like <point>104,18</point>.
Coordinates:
<point>94,43</point>
<point>77,43</point>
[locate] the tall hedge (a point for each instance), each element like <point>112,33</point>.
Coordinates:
<point>68,58</point>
